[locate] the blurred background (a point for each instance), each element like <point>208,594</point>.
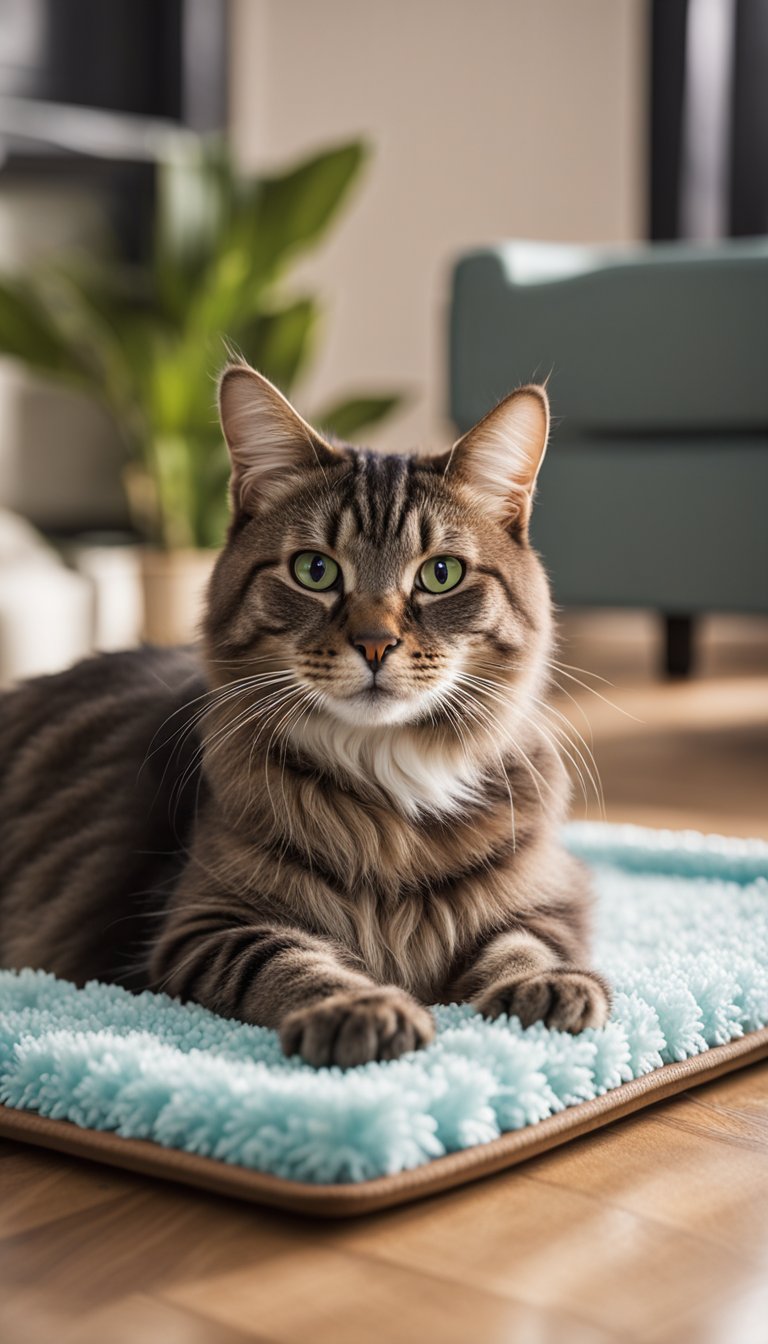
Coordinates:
<point>399,212</point>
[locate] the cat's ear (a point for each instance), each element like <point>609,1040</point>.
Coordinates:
<point>267,439</point>
<point>499,458</point>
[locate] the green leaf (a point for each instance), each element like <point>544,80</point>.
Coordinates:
<point>267,222</point>
<point>182,389</point>
<point>195,188</point>
<point>213,495</point>
<point>287,213</point>
<point>280,343</point>
<point>98,322</point>
<point>346,418</point>
<point>29,332</point>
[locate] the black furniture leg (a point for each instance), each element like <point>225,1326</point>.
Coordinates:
<point>679,634</point>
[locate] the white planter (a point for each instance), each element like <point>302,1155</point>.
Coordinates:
<point>46,611</point>
<point>115,572</point>
<point>46,619</point>
<point>174,585</point>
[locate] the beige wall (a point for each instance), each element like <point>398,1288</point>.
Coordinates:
<point>490,119</point>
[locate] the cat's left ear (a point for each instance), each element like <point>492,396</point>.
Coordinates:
<point>499,458</point>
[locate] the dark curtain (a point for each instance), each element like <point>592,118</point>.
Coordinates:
<point>155,58</point>
<point>749,126</point>
<point>667,80</point>
<point>145,58</point>
<point>745,180</point>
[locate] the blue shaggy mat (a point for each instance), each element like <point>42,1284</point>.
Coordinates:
<point>682,934</point>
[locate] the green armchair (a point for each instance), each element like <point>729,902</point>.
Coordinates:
<point>655,491</point>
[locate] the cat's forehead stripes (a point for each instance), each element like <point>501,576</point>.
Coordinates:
<point>380,494</point>
<point>381,504</point>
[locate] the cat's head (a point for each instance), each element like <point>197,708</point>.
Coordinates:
<point>378,589</point>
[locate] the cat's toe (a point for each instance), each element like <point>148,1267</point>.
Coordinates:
<point>566,1000</point>
<point>354,1028</point>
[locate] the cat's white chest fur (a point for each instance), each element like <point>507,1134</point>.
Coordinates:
<point>415,778</point>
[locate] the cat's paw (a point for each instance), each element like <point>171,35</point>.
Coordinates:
<point>355,1027</point>
<point>567,1000</point>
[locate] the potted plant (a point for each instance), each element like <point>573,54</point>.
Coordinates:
<point>148,343</point>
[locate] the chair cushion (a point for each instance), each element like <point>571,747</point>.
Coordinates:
<point>655,338</point>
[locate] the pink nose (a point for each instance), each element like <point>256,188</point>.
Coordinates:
<point>374,648</point>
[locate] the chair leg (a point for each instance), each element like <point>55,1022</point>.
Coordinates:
<point>679,635</point>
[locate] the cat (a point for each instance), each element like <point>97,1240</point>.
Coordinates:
<point>347,805</point>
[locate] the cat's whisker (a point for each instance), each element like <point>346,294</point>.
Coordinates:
<point>486,687</point>
<point>498,729</point>
<point>241,660</point>
<point>182,734</point>
<point>585,671</point>
<point>472,709</point>
<point>561,750</point>
<point>480,685</point>
<point>260,713</point>
<point>262,701</point>
<point>586,757</point>
<point>535,774</point>
<point>559,746</point>
<point>186,731</point>
<point>254,744</point>
<point>559,667</point>
<point>289,720</point>
<point>217,697</point>
<point>578,706</point>
<point>284,719</point>
<point>212,743</point>
<point>451,709</point>
<point>212,695</point>
<point>312,699</point>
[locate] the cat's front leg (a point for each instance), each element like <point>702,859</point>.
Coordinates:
<point>276,976</point>
<point>520,975</point>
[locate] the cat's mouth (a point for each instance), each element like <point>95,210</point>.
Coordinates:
<point>377,705</point>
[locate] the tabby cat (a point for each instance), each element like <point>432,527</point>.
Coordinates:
<point>347,805</point>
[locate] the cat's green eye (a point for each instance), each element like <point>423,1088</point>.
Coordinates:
<point>441,573</point>
<point>314,570</point>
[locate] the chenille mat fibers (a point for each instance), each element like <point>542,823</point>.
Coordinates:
<point>171,1090</point>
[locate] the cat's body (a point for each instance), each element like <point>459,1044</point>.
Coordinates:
<point>92,832</point>
<point>373,825</point>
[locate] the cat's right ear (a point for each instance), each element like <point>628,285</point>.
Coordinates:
<point>268,440</point>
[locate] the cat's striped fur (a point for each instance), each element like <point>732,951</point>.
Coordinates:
<point>322,843</point>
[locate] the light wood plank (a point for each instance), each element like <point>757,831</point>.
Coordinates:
<point>698,1162</point>
<point>136,1319</point>
<point>558,1249</point>
<point>333,1296</point>
<point>34,1182</point>
<point>740,1319</point>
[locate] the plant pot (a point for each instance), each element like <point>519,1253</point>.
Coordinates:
<point>174,585</point>
<point>113,569</point>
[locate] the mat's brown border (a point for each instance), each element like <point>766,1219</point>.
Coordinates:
<point>343,1201</point>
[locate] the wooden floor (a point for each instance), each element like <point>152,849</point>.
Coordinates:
<point>656,1228</point>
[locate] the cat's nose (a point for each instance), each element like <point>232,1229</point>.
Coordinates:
<point>374,648</point>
